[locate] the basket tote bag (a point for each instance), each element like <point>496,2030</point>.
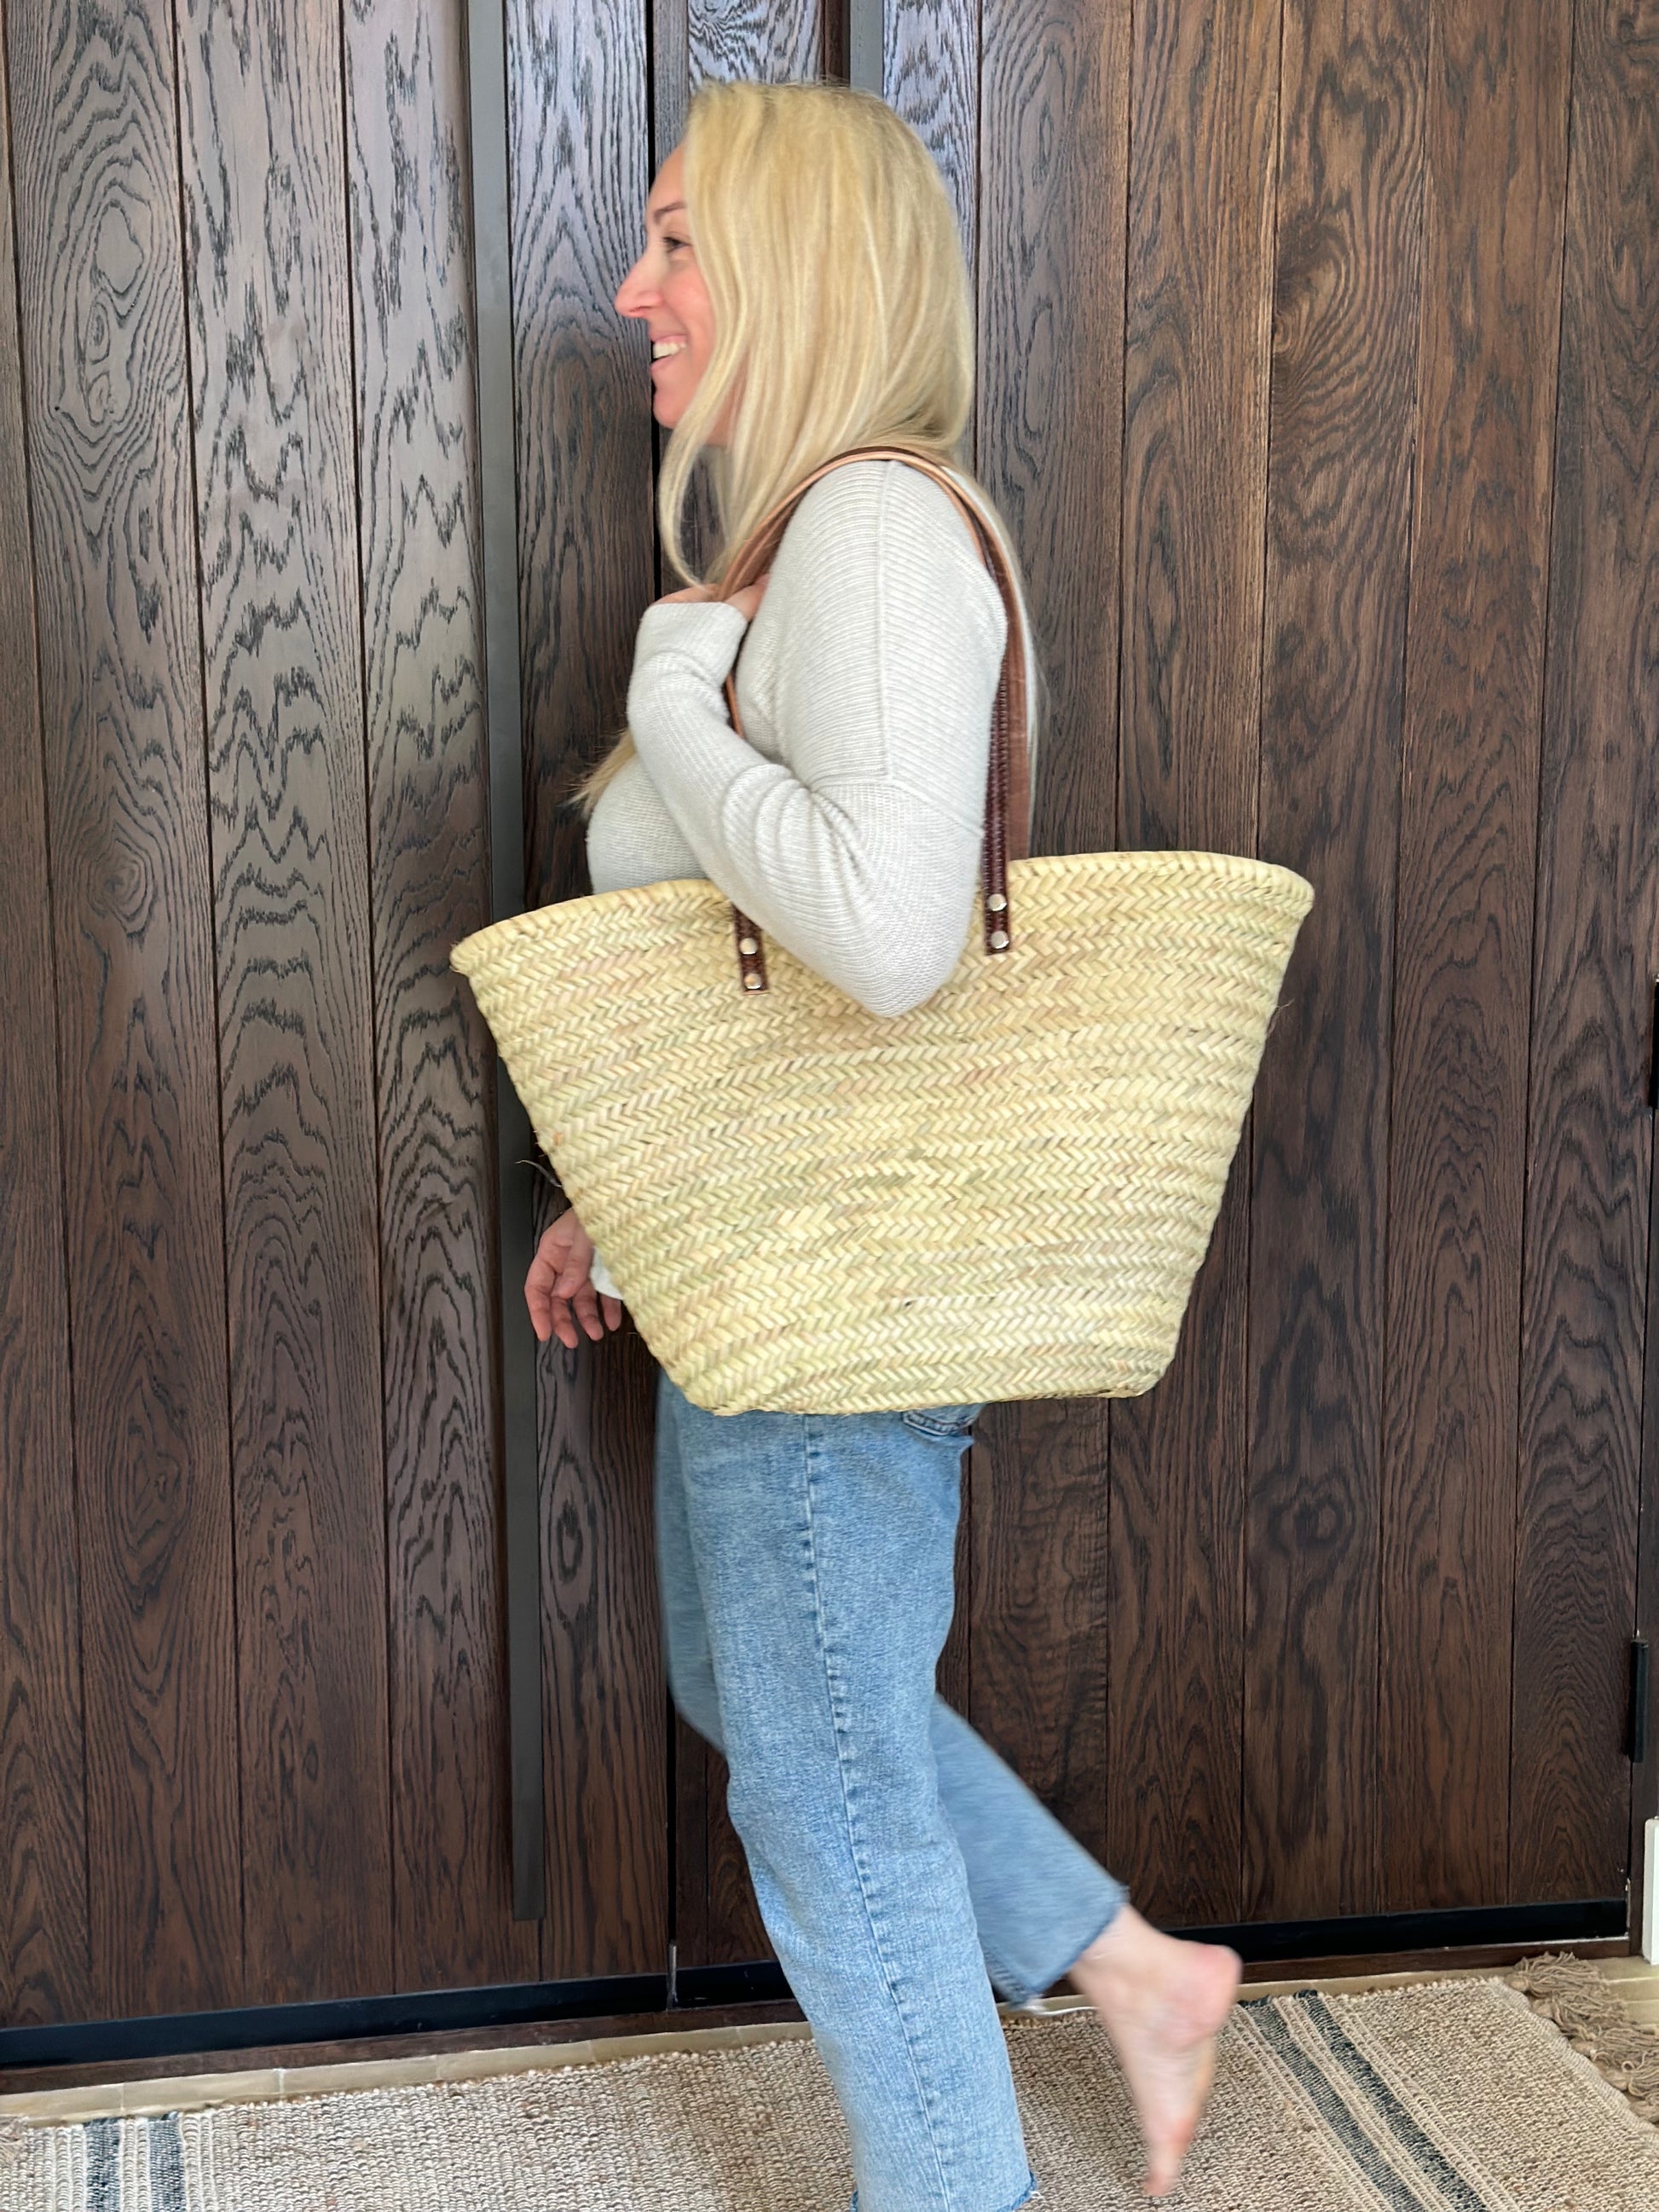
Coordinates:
<point>1005,1193</point>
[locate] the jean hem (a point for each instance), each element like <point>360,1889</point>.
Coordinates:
<point>1028,1994</point>
<point>1027,2196</point>
<point>1122,1899</point>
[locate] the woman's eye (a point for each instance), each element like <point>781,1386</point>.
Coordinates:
<point>672,243</point>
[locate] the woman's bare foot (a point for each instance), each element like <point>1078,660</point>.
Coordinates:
<point>1163,2002</point>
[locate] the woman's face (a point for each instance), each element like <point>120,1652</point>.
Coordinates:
<point>665,290</point>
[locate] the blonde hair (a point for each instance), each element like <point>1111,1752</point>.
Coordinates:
<point>841,306</point>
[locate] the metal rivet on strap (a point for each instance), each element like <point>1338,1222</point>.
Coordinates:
<point>996,903</point>
<point>753,983</point>
<point>999,938</point>
<point>747,945</point>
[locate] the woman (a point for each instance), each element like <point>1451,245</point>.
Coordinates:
<point>804,293</point>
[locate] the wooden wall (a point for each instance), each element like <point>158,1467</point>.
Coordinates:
<point>254,1711</point>
<point>1319,348</point>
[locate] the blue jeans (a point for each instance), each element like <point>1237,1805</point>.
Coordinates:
<point>805,1566</point>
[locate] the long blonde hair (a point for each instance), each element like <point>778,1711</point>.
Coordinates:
<point>843,312</point>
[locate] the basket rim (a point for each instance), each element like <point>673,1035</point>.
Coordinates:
<point>1237,867</point>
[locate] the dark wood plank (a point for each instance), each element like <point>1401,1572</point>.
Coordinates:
<point>689,1810</point>
<point>269,302</point>
<point>43,1968</point>
<point>1496,176</point>
<point>579,94</point>
<point>429,785</point>
<point>607,1763</point>
<point>736,1930</point>
<point>774,40</point>
<point>95,163</point>
<point>582,376</point>
<point>955,1674</point>
<point>671,76</point>
<point>1054,166</point>
<point>930,76</point>
<point>1444,1959</point>
<point>1040,1595</point>
<point>716,1915</point>
<point>1196,373</point>
<point>1176,1609</point>
<point>1345,314</point>
<point>1589,1138</point>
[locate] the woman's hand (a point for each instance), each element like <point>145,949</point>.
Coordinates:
<point>746,601</point>
<point>559,1282</point>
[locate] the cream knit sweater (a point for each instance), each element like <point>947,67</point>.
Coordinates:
<point>848,821</point>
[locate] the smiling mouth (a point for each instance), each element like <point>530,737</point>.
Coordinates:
<point>665,349</point>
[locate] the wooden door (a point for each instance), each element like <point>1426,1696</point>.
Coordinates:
<point>251,1711</point>
<point>1317,381</point>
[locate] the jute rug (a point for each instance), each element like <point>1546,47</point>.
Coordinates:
<point>1449,2097</point>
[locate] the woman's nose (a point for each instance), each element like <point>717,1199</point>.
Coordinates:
<point>631,293</point>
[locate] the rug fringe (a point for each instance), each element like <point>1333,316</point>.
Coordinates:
<point>1572,1992</point>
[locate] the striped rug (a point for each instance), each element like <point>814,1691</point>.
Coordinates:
<point>1448,2097</point>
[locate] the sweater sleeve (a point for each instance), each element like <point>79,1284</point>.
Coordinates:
<point>859,849</point>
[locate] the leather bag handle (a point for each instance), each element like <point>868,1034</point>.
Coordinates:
<point>1008,779</point>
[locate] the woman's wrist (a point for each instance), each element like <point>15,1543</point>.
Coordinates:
<point>704,633</point>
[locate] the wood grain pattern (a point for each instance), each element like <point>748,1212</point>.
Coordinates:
<point>1339,492</point>
<point>776,40</point>
<point>717,1920</point>
<point>606,1703</point>
<point>1491,248</point>
<point>1053,167</point>
<point>430,860</point>
<point>1176,1608</point>
<point>1198,346</point>
<point>734,1914</point>
<point>95,164</point>
<point>930,76</point>
<point>276,471</point>
<point>1589,1138</point>
<point>1040,1595</point>
<point>580,149</point>
<point>1264,1670</point>
<point>670,77</point>
<point>579,181</point>
<point>1053,193</point>
<point>43,1863</point>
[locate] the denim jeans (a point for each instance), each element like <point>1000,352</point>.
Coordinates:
<point>805,1566</point>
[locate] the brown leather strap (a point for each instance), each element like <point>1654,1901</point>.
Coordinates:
<point>1008,779</point>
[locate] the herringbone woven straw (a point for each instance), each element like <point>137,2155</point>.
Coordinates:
<point>1005,1193</point>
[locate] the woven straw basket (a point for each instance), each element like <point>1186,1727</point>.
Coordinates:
<point>1005,1193</point>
